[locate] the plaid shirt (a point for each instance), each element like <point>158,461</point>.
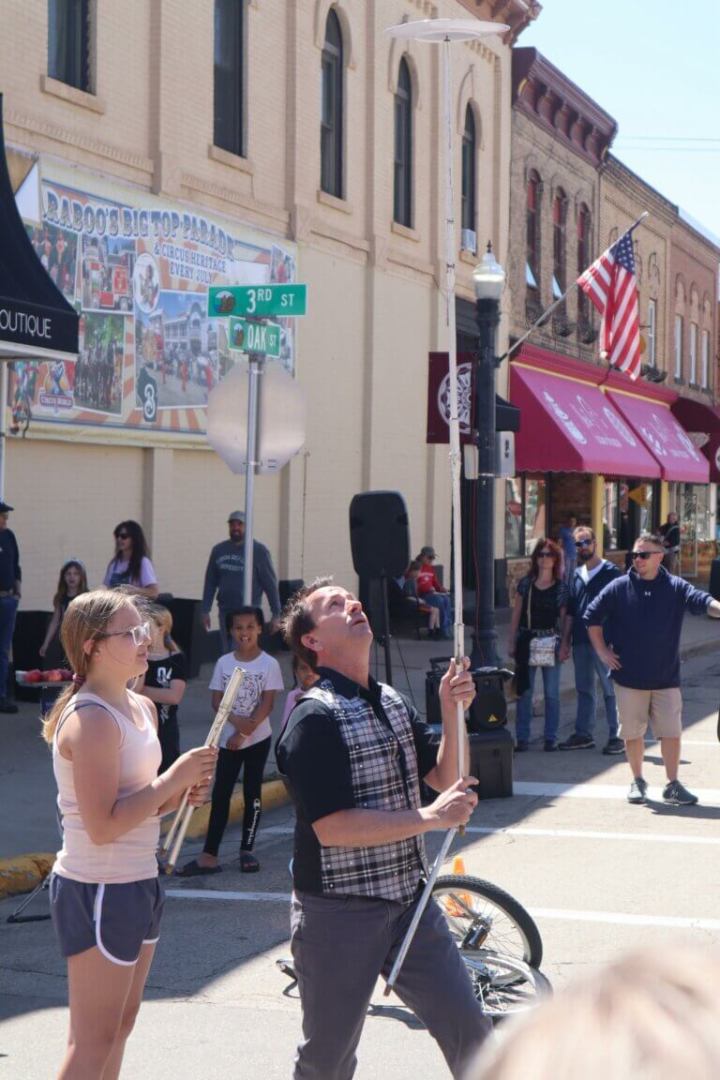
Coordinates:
<point>379,744</point>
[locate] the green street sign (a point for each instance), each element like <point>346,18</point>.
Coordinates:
<point>252,337</point>
<point>257,300</point>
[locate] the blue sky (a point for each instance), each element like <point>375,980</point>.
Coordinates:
<point>656,71</point>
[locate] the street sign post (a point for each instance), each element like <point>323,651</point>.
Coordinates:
<point>259,339</point>
<point>260,301</point>
<point>254,337</point>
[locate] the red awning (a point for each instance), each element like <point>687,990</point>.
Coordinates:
<point>696,415</point>
<point>668,442</point>
<point>568,425</point>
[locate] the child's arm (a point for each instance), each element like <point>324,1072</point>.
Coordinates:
<point>246,725</point>
<point>166,695</point>
<point>51,631</point>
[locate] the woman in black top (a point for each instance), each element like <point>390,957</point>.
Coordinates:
<point>539,609</point>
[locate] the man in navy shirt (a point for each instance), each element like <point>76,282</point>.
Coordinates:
<point>642,613</point>
<point>10,576</point>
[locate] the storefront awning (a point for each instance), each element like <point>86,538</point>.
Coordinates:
<point>35,318</point>
<point>570,426</point>
<point>696,415</point>
<point>667,440</point>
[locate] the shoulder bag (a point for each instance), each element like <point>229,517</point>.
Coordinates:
<point>543,643</point>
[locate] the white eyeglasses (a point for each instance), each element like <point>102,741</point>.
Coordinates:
<point>139,633</point>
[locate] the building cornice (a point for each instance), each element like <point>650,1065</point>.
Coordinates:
<point>517,14</point>
<point>555,103</point>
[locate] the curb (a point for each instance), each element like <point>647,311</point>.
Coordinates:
<point>22,873</point>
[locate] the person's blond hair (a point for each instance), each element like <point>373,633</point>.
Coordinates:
<point>86,619</point>
<point>651,1014</point>
<point>162,617</point>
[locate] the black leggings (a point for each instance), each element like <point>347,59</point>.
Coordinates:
<point>229,764</point>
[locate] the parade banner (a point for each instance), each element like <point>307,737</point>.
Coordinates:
<point>138,270</point>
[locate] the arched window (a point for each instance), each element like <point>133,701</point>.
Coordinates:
<point>532,234</point>
<point>559,212</point>
<point>584,258</point>
<point>229,76</point>
<point>402,187</point>
<point>331,123</point>
<point>469,179</point>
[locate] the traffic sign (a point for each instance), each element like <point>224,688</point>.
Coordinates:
<point>255,337</point>
<point>281,419</point>
<point>257,300</point>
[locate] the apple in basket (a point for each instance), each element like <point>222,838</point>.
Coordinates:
<point>33,676</point>
<point>54,675</point>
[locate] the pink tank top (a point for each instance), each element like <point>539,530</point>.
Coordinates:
<point>131,857</point>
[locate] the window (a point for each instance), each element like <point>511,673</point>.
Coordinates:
<point>228,127</point>
<point>584,226</point>
<point>525,514</point>
<point>331,121</point>
<point>469,175</point>
<point>705,360</point>
<point>402,188</point>
<point>69,42</point>
<point>559,211</point>
<point>679,333</point>
<point>651,323</point>
<point>532,233</point>
<point>692,378</point>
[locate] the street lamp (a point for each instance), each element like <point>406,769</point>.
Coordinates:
<point>489,281</point>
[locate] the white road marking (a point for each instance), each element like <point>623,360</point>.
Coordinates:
<point>677,922</point>
<point>707,796</point>
<point>583,834</point>
<point>614,917</point>
<point>222,894</point>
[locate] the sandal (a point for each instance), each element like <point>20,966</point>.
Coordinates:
<point>194,869</point>
<point>248,863</point>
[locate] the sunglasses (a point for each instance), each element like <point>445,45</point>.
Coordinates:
<point>546,555</point>
<point>584,543</point>
<point>645,555</point>
<point>139,633</point>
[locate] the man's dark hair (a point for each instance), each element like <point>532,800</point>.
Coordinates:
<point>296,620</point>
<point>649,538</point>
<point>246,609</point>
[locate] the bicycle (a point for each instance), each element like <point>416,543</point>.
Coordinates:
<point>499,942</point>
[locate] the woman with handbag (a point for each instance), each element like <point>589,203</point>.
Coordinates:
<point>538,614</point>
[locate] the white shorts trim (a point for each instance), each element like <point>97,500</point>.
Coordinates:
<point>97,917</point>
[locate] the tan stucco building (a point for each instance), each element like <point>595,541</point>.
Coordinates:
<point>140,206</point>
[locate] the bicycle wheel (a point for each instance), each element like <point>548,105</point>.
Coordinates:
<point>480,915</point>
<point>504,985</point>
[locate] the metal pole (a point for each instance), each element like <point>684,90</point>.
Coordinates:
<point>4,373</point>
<point>485,637</point>
<point>454,427</point>
<point>254,373</point>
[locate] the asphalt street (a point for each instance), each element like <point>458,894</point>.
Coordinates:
<point>598,875</point>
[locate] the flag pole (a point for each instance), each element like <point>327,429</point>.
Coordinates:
<point>556,303</point>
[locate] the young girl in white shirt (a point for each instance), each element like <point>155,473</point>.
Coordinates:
<point>104,895</point>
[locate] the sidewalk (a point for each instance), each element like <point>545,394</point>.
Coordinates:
<point>27,805</point>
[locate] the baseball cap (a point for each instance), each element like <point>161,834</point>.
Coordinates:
<point>237,515</point>
<point>4,508</point>
<point>429,551</point>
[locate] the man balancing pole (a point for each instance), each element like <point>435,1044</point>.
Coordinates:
<point>354,753</point>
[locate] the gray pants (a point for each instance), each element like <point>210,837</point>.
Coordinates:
<point>340,947</point>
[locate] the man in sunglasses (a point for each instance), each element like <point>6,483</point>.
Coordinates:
<point>642,614</point>
<point>591,576</point>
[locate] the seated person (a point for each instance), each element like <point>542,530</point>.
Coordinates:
<point>410,592</point>
<point>432,593</point>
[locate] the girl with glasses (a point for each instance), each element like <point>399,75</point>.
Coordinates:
<point>539,609</point>
<point>104,894</point>
<point>131,566</point>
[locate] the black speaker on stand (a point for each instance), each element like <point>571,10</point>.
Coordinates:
<point>380,543</point>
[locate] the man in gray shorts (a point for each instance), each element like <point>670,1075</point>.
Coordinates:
<point>354,752</point>
<point>643,614</point>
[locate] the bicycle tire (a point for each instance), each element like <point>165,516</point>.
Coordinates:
<point>504,985</point>
<point>520,940</point>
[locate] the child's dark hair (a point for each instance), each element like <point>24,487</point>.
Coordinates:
<point>297,660</point>
<point>246,609</point>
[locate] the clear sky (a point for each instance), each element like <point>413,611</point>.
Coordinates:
<point>655,67</point>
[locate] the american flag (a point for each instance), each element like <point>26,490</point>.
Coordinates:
<point>611,285</point>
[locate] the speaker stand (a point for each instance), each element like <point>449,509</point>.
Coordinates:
<point>385,638</point>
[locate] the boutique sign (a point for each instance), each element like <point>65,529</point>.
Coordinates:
<point>23,324</point>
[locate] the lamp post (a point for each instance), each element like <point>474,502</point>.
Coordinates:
<point>489,281</point>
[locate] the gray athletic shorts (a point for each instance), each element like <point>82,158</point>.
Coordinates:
<point>118,919</point>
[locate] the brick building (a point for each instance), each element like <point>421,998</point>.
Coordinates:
<point>169,146</point>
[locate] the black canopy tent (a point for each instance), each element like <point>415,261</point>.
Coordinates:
<point>35,318</point>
